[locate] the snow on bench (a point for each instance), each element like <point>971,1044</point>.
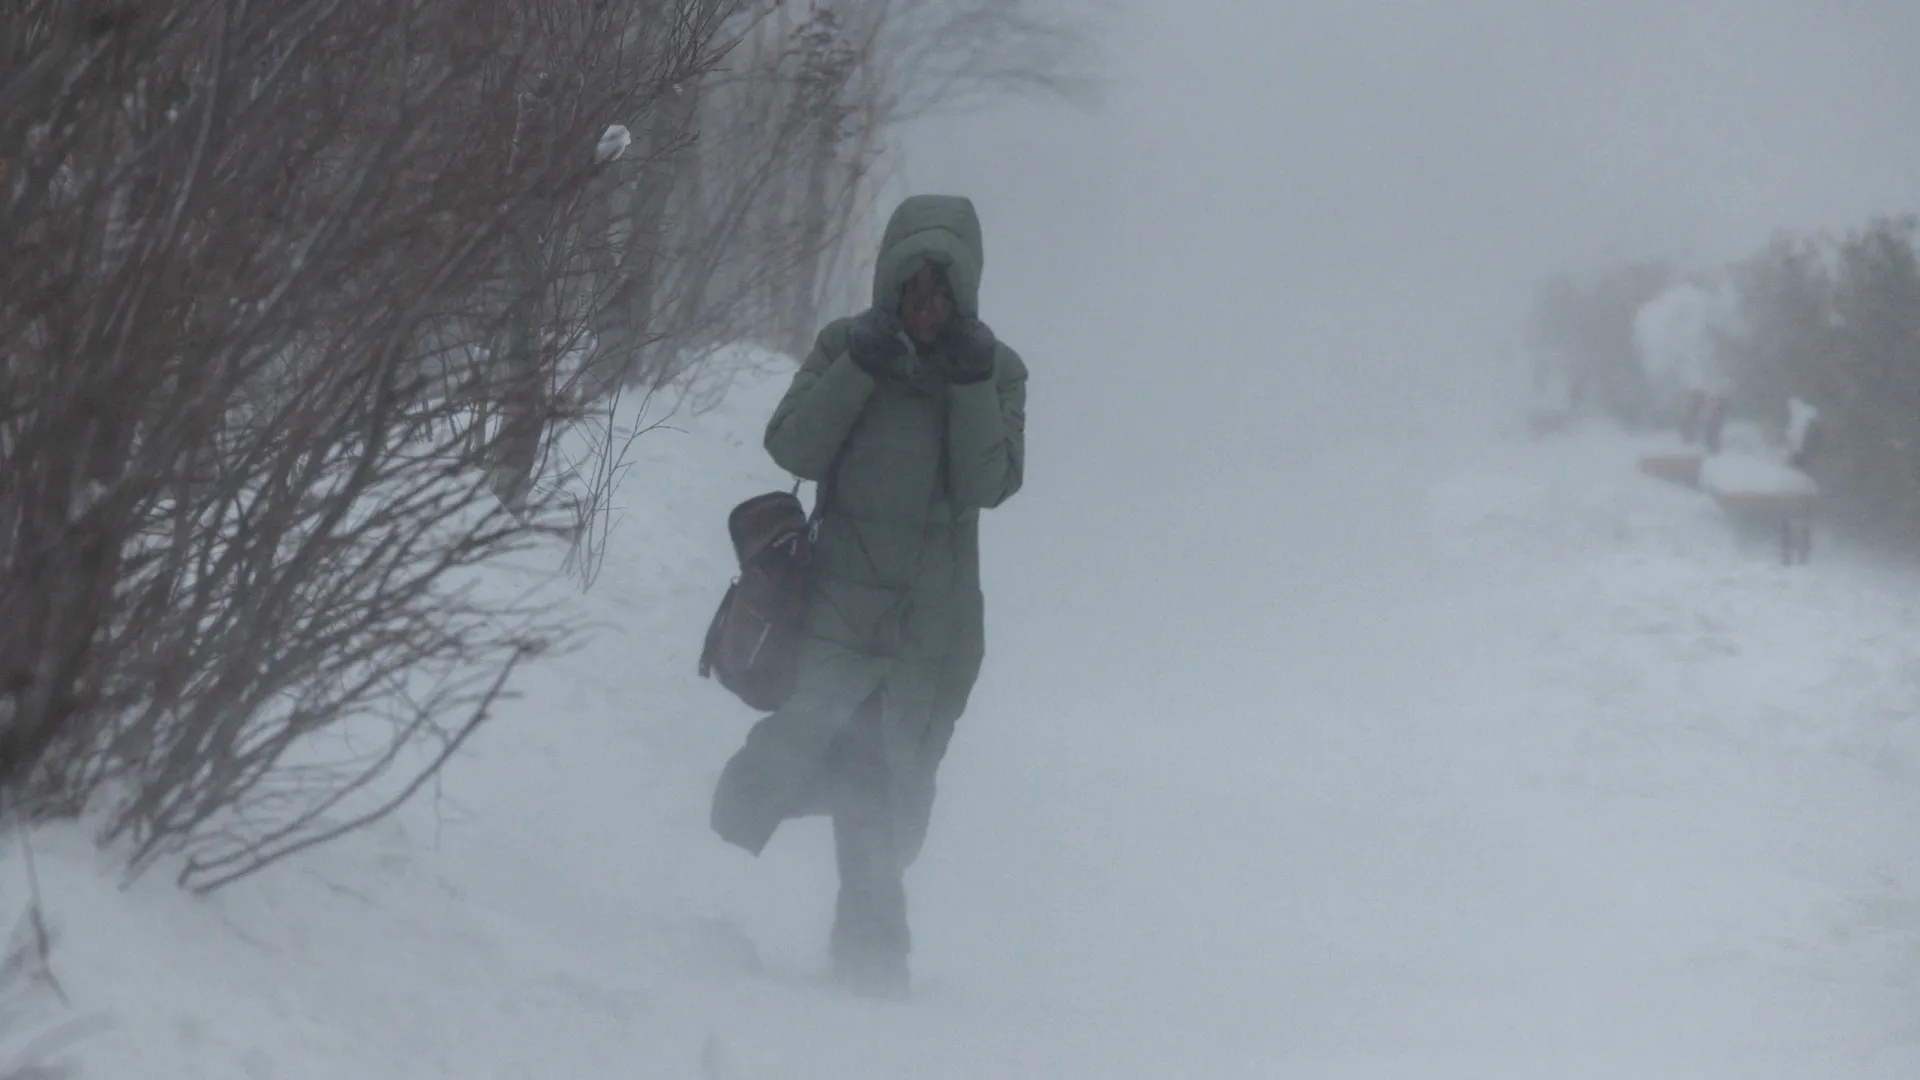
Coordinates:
<point>1767,493</point>
<point>1744,477</point>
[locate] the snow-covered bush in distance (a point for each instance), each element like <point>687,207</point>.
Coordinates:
<point>1677,334</point>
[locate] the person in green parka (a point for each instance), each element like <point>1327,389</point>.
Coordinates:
<point>911,416</point>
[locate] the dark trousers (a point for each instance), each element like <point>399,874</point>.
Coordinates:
<point>870,917</point>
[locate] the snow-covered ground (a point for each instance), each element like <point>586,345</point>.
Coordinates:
<point>1523,766</point>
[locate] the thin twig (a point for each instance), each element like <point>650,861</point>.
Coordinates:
<point>42,940</point>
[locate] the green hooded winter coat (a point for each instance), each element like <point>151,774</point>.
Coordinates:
<point>894,603</point>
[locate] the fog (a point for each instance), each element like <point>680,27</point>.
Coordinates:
<point>1235,731</point>
<point>1295,227</point>
<point>1310,199</point>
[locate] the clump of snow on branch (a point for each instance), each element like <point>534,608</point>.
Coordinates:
<point>613,145</point>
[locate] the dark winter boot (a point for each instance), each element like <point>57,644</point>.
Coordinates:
<point>875,975</point>
<point>870,940</point>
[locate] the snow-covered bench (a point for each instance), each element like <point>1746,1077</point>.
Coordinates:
<point>1771,494</point>
<point>1673,460</point>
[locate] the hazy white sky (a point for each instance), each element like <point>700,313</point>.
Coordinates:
<point>1442,153</point>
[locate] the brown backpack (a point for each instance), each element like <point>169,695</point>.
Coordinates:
<point>753,641</point>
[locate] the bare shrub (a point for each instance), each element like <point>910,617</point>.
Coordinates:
<point>749,219</point>
<point>43,1048</point>
<point>299,300</point>
<point>26,981</point>
<point>293,296</point>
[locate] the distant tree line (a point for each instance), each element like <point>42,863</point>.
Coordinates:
<point>1832,319</point>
